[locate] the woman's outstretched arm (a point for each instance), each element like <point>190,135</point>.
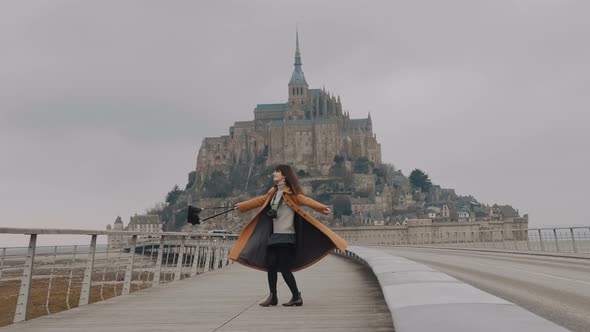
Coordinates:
<point>251,203</point>
<point>317,206</point>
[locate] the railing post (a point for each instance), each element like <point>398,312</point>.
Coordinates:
<point>2,261</point>
<point>50,280</point>
<point>493,240</point>
<point>573,240</point>
<point>556,242</point>
<point>22,303</point>
<point>156,280</point>
<point>195,266</point>
<point>208,255</point>
<point>220,251</point>
<point>224,261</point>
<point>129,271</point>
<point>215,258</point>
<point>541,239</point>
<point>481,237</point>
<point>226,256</point>
<point>528,243</point>
<point>180,258</point>
<point>87,282</point>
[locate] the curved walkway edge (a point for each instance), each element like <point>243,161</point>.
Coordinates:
<point>421,298</point>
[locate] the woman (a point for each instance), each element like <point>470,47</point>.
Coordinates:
<point>283,237</point>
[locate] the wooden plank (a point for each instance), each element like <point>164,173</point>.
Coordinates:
<point>338,295</point>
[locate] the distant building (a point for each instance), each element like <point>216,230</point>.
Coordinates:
<point>446,211</point>
<point>463,215</point>
<point>116,241</point>
<point>431,213</point>
<point>149,223</point>
<point>138,223</point>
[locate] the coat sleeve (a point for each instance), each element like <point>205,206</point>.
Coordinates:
<point>252,203</point>
<point>317,206</point>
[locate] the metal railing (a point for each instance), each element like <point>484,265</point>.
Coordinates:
<point>40,280</point>
<point>567,241</point>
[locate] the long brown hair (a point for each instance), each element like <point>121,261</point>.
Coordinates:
<point>290,178</point>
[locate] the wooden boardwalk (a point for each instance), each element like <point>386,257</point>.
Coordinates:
<point>338,295</point>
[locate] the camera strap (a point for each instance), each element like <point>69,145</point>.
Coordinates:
<point>274,199</point>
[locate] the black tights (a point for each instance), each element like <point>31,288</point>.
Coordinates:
<point>278,258</point>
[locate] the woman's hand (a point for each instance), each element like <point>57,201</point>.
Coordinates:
<point>327,210</point>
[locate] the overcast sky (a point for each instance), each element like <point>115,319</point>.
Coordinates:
<point>104,104</point>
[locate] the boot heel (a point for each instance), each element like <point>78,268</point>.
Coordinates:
<point>271,300</point>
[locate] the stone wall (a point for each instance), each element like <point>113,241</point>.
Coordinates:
<point>417,230</point>
<point>364,182</point>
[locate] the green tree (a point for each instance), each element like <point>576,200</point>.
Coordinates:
<point>419,179</point>
<point>180,218</point>
<point>172,195</point>
<point>362,165</point>
<point>342,206</point>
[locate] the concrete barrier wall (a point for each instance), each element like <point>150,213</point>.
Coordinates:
<point>422,299</point>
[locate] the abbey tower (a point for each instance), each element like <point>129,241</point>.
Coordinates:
<point>307,131</point>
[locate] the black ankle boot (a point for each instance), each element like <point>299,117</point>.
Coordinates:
<point>270,300</point>
<point>295,301</point>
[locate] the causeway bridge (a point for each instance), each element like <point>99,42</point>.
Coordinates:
<point>388,279</point>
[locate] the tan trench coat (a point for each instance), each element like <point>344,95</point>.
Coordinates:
<point>314,239</point>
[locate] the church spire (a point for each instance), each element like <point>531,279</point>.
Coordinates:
<point>297,77</point>
<point>297,54</point>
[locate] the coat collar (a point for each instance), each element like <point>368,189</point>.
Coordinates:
<point>286,190</point>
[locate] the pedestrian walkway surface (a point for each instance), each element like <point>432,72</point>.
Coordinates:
<point>338,295</point>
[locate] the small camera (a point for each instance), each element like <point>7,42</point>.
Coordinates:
<point>272,213</point>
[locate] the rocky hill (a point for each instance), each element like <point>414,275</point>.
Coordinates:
<point>359,192</point>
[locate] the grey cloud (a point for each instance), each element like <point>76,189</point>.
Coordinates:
<point>106,103</point>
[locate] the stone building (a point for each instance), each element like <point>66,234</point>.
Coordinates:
<point>307,131</point>
<point>137,223</point>
<point>372,218</point>
<point>361,205</point>
<point>148,223</point>
<point>364,182</point>
<point>116,241</point>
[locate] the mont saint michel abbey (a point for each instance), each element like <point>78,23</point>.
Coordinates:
<point>307,131</point>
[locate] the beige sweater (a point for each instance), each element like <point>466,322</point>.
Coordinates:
<point>285,214</point>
